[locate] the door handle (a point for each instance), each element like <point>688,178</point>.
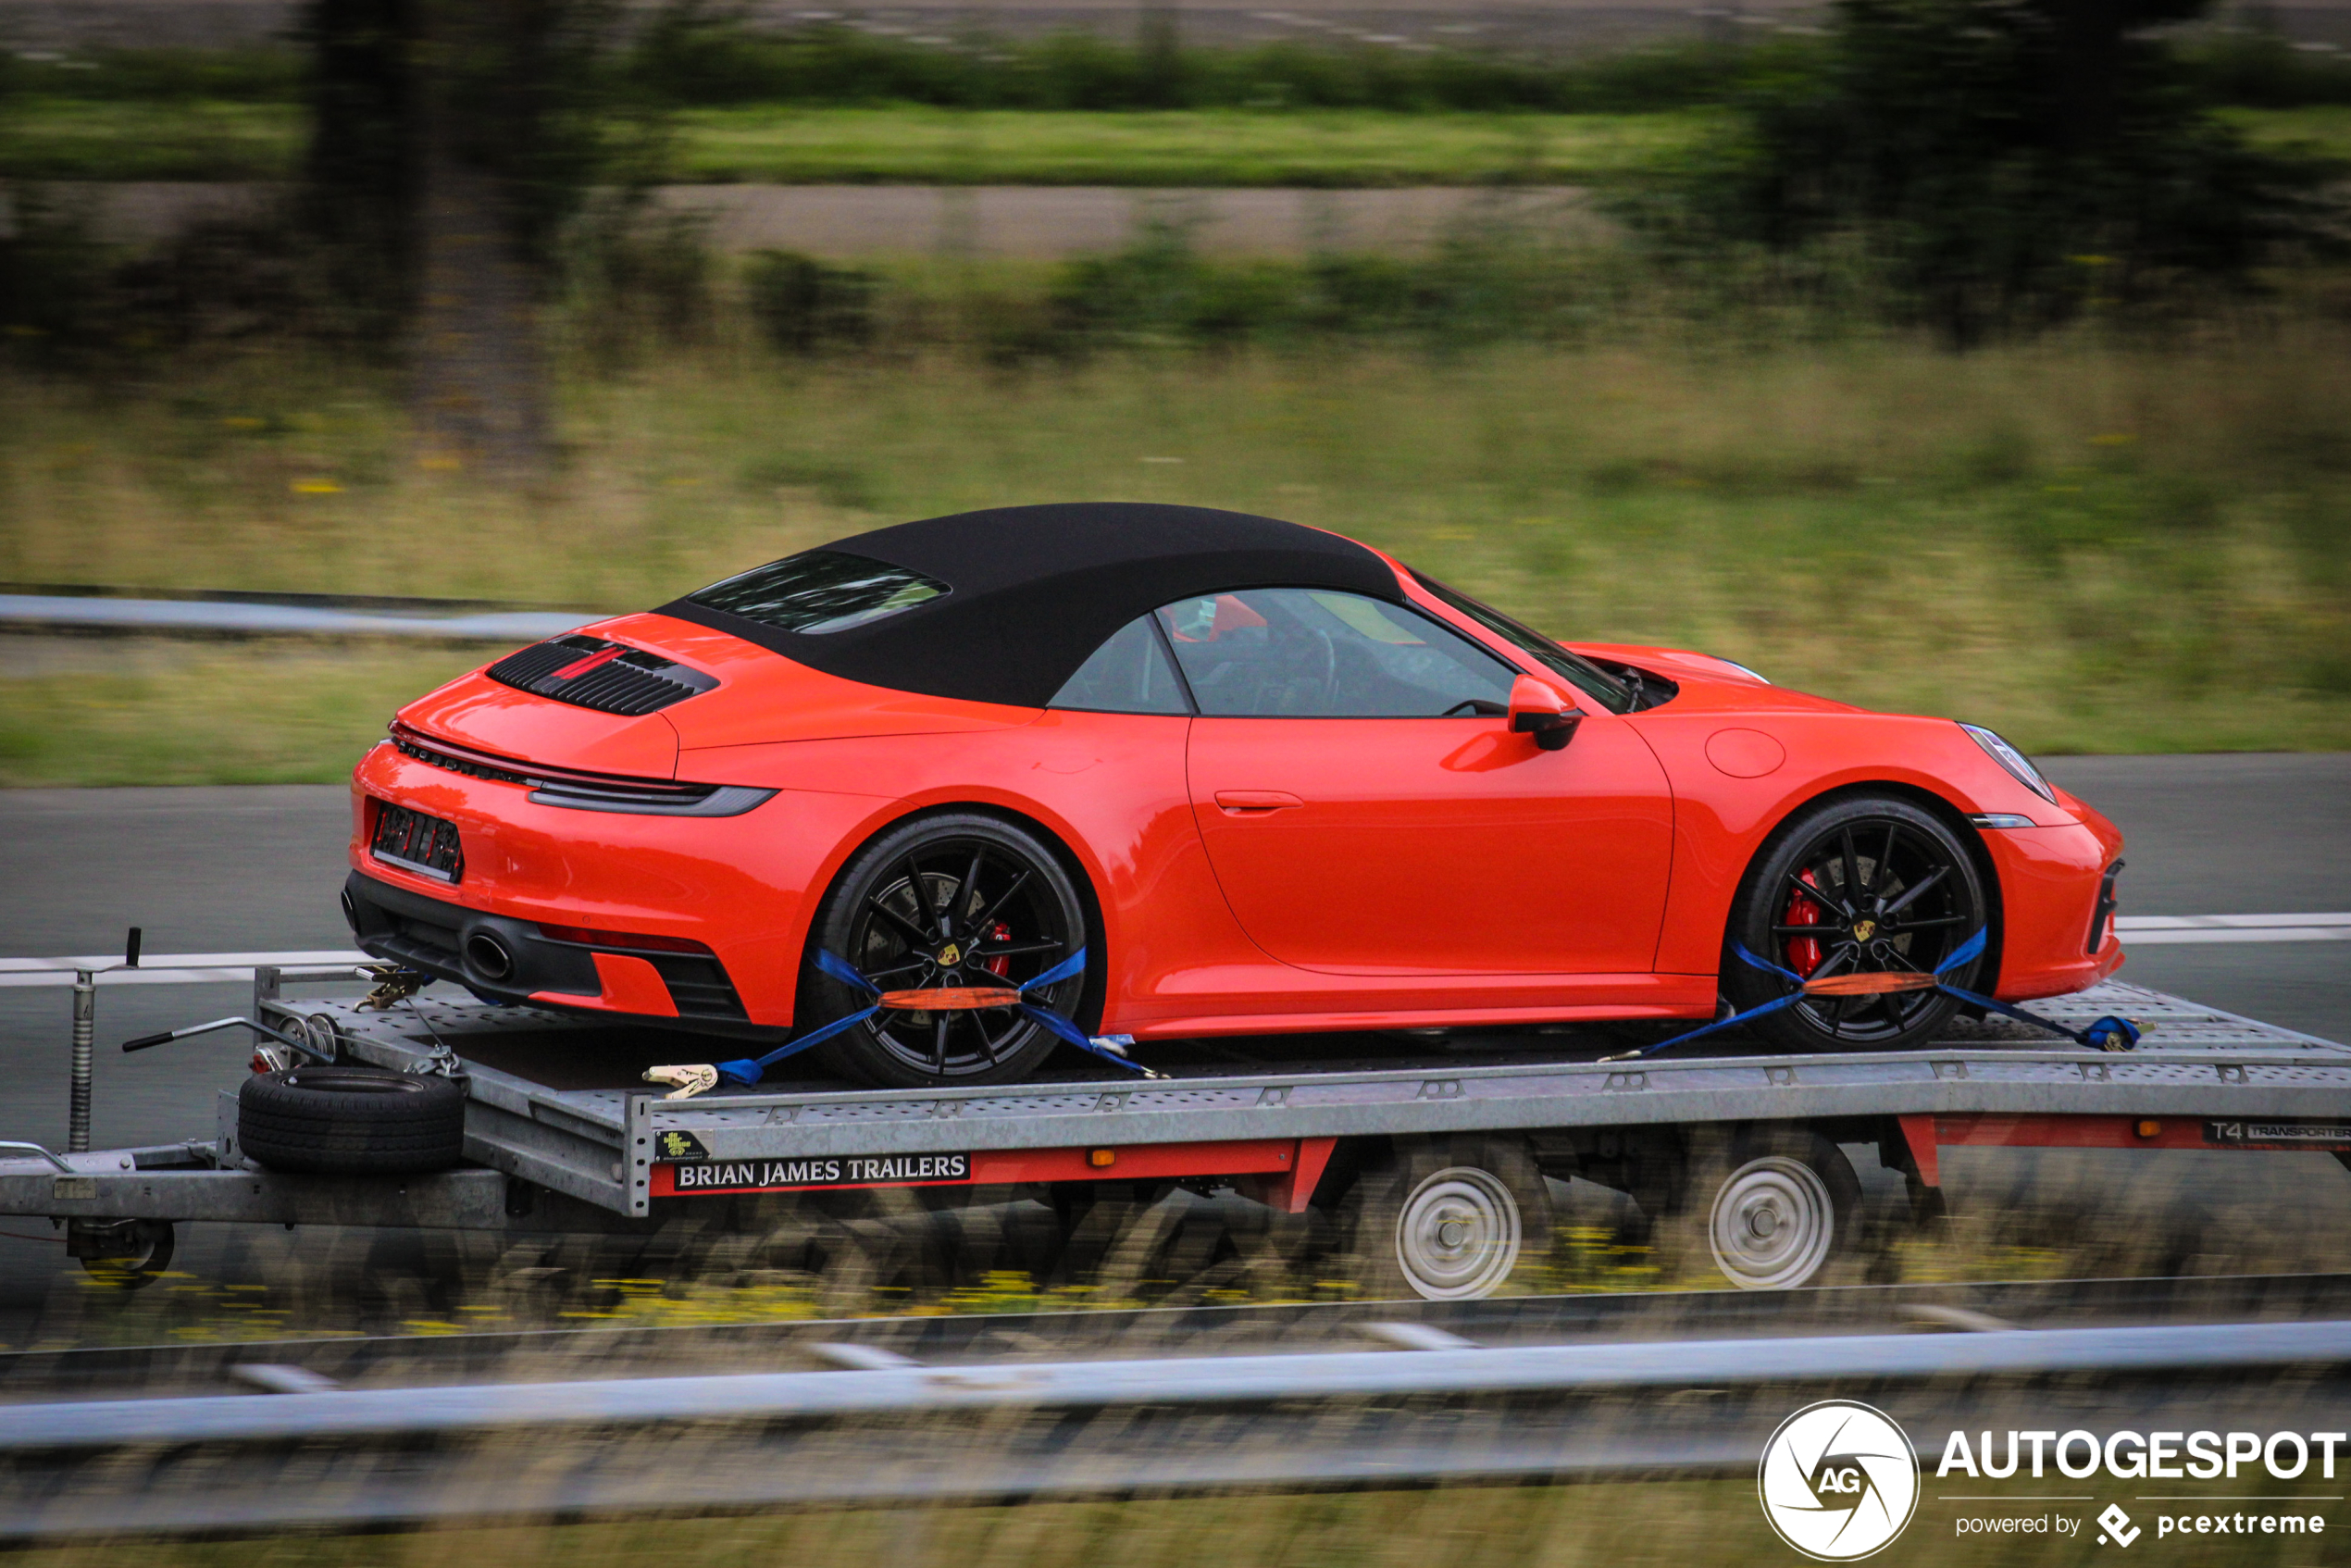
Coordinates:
<point>1256,802</point>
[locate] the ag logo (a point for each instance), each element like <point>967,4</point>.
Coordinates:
<point>1838,1480</point>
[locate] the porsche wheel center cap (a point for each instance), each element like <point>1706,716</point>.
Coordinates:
<point>948,955</point>
<point>1864,929</point>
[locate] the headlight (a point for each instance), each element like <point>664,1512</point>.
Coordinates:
<point>2008,756</point>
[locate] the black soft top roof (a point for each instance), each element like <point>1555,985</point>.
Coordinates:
<point>1036,590</point>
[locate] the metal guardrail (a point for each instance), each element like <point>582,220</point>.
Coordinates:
<point>1581,1317</point>
<point>913,1435</point>
<point>218,616</point>
<point>1367,1374</point>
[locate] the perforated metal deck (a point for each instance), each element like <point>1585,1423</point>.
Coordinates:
<point>600,1144</point>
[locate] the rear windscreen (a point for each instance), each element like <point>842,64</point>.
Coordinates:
<point>820,591</point>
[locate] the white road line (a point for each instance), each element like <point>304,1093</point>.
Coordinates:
<point>2223,922</point>
<point>2156,930</point>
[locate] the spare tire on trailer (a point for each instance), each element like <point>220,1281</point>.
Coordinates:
<point>352,1121</point>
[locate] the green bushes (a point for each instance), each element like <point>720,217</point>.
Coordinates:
<point>802,306</point>
<point>244,73</point>
<point>2256,69</point>
<point>1992,166</point>
<point>692,59</point>
<point>1475,287</point>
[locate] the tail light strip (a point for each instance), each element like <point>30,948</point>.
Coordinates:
<point>576,791</point>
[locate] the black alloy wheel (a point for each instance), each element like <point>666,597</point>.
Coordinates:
<point>1867,884</point>
<point>947,901</point>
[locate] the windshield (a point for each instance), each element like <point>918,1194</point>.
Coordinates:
<point>818,592</point>
<point>1586,676</point>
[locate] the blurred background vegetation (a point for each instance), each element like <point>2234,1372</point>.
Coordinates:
<point>1592,1525</point>
<point>1976,357</point>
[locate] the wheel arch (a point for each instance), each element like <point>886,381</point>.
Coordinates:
<point>1941,807</point>
<point>1091,1001</point>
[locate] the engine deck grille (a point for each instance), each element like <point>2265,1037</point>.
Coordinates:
<point>591,672</point>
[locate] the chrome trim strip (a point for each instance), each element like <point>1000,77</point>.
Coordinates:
<point>417,866</point>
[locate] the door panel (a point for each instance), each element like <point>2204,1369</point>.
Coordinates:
<point>1436,845</point>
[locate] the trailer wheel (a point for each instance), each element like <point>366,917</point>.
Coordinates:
<point>127,1255</point>
<point>1451,1220</point>
<point>351,1121</point>
<point>1779,1209</point>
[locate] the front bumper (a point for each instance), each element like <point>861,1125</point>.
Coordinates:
<point>2053,881</point>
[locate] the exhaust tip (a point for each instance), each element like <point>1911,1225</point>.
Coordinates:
<point>488,956</point>
<point>350,910</point>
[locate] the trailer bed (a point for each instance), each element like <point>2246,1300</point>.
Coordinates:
<point>557,1134</point>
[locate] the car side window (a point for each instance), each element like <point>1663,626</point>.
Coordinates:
<point>1308,652</point>
<point>1130,674</point>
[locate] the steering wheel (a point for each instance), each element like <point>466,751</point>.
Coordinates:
<point>1330,668</point>
<point>1479,707</point>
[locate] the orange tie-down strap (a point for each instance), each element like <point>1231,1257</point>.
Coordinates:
<point>950,999</point>
<point>1869,985</point>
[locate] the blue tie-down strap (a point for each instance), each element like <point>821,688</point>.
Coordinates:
<point>1790,1000</point>
<point>2107,1034</point>
<point>1110,1048</point>
<point>747,1072</point>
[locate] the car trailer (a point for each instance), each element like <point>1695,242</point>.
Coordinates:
<point>1438,1165</point>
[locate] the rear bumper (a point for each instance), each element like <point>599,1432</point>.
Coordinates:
<point>739,886</point>
<point>501,959</point>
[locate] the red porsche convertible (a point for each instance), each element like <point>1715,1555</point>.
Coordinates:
<point>1261,776</point>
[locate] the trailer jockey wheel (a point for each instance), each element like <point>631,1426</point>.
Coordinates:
<point>1780,1207</point>
<point>1451,1220</point>
<point>126,1255</point>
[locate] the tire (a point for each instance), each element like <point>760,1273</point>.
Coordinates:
<point>989,884</point>
<point>1451,1220</point>
<point>1915,905</point>
<point>1777,1209</point>
<point>125,1256</point>
<point>352,1121</point>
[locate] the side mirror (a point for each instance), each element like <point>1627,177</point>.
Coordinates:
<point>1538,710</point>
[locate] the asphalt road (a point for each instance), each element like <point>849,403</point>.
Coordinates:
<point>207,870</point>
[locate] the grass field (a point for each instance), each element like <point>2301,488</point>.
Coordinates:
<point>2094,546</point>
<point>188,139</point>
<point>1230,147</point>
<point>74,139</point>
<point>1657,1525</point>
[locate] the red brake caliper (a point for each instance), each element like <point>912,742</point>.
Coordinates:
<point>1803,952</point>
<point>997,933</point>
